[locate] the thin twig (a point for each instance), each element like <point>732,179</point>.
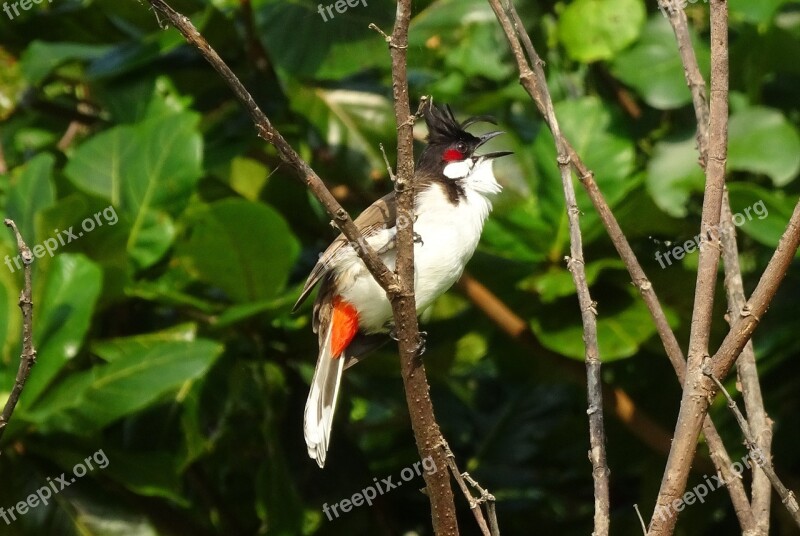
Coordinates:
<point>760,424</point>
<point>757,518</point>
<point>488,499</point>
<point>388,165</point>
<point>474,504</point>
<point>28,356</point>
<point>765,462</point>
<point>641,520</point>
<point>532,72</point>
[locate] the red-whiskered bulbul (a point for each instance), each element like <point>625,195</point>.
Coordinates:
<point>351,315</point>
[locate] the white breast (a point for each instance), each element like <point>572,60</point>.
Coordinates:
<point>449,234</point>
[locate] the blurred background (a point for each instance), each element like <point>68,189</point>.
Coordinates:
<point>165,338</point>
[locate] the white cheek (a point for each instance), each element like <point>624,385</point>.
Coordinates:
<point>458,170</point>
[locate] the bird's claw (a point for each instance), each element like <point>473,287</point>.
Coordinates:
<point>423,336</point>
<point>418,239</point>
<point>421,347</point>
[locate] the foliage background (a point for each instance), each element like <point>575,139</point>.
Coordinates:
<point>167,339</point>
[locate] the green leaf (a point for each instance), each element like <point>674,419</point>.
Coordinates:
<point>557,281</point>
<point>63,312</point>
<point>88,401</point>
<point>465,35</point>
<point>606,150</point>
<point>592,30</point>
<point>149,171</point>
<point>115,349</point>
<point>244,248</point>
<point>41,58</point>
<point>653,66</point>
<point>11,84</point>
<point>763,141</point>
<point>31,192</point>
<point>673,174</point>
<point>309,44</point>
<point>10,315</point>
<point>349,121</point>
<point>760,12</point>
<point>759,213</point>
<point>620,333</point>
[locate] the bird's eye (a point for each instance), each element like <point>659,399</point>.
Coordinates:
<point>461,147</point>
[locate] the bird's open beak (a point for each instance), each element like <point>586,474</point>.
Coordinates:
<point>486,137</point>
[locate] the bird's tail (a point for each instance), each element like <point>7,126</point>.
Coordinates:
<point>321,402</point>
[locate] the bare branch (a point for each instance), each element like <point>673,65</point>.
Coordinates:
<point>761,490</point>
<point>531,72</point>
<point>694,409</point>
<point>28,356</point>
<point>760,424</point>
<point>474,504</point>
<point>765,462</point>
<point>685,442</point>
<point>410,344</point>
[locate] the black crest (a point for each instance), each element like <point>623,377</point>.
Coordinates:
<point>443,128</point>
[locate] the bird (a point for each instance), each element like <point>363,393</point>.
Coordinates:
<point>453,190</point>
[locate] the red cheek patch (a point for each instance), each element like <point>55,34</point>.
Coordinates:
<point>345,326</point>
<point>451,155</point>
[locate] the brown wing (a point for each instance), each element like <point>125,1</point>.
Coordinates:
<point>378,216</point>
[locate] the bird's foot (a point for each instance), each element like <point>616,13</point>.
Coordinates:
<point>421,346</point>
<point>423,336</point>
<point>418,239</point>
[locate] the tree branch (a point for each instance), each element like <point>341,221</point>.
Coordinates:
<point>423,421</point>
<point>685,442</point>
<point>474,504</point>
<point>531,72</point>
<point>748,374</point>
<point>28,356</point>
<point>695,408</point>
<point>787,497</point>
<point>760,424</point>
